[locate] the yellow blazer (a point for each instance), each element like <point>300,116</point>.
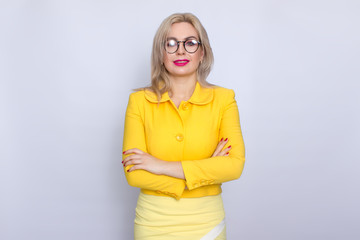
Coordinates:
<point>188,134</point>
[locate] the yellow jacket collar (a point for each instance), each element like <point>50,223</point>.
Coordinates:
<point>200,95</point>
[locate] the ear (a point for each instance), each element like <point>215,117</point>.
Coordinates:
<point>202,55</point>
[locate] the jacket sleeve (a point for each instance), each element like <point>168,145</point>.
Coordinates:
<point>216,170</point>
<point>134,137</point>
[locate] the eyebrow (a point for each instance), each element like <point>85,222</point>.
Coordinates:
<point>185,38</point>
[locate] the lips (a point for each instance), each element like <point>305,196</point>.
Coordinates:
<point>181,62</point>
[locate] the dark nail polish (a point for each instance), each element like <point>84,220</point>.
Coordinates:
<point>229,146</point>
<point>124,152</point>
<point>227,153</point>
<point>128,170</point>
<point>221,139</point>
<point>225,139</point>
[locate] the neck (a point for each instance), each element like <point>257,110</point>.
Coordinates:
<point>182,87</point>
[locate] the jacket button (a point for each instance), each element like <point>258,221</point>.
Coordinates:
<point>185,106</point>
<point>179,137</point>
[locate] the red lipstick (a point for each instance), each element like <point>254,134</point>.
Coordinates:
<point>181,62</point>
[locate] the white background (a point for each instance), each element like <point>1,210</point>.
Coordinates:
<point>68,67</point>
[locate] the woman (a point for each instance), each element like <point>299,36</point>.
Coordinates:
<point>178,136</point>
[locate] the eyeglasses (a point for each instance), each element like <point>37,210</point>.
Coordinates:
<point>191,46</point>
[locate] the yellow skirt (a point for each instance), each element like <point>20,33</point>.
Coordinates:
<point>165,218</point>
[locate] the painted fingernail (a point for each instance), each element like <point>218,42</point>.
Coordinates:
<point>128,170</point>
<point>225,139</point>
<point>122,162</point>
<point>229,146</point>
<point>227,153</point>
<point>124,152</point>
<point>221,139</point>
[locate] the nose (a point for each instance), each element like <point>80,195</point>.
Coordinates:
<point>181,49</point>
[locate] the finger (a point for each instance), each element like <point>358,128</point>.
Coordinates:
<point>133,162</point>
<point>226,151</point>
<point>131,157</point>
<point>220,146</point>
<point>133,150</point>
<point>135,167</point>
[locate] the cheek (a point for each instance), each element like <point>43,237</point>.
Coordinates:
<point>166,59</point>
<point>199,55</point>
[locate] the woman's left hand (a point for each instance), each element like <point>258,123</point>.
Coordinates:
<point>143,160</point>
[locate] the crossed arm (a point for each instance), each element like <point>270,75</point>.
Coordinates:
<point>143,160</point>
<point>145,171</point>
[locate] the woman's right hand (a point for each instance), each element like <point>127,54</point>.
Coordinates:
<point>219,151</point>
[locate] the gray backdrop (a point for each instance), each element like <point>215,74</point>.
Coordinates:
<point>67,68</point>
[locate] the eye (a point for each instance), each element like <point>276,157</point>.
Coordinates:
<point>171,43</point>
<point>191,43</point>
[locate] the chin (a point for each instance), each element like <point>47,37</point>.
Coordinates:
<point>182,73</point>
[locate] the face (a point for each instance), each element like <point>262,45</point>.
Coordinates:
<point>182,63</point>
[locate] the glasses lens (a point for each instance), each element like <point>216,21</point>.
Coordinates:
<point>171,46</point>
<point>191,45</point>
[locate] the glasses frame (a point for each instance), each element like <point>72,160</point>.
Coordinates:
<point>183,42</point>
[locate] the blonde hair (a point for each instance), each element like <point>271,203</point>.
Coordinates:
<point>160,82</point>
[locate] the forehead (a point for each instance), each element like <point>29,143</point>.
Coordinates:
<point>182,31</point>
